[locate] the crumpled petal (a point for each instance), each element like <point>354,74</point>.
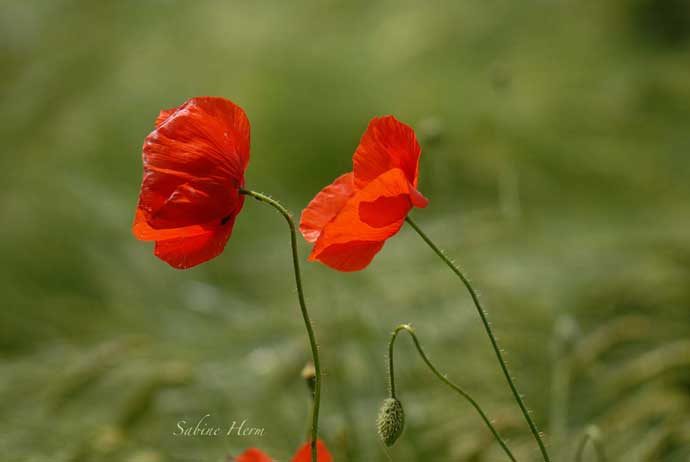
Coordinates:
<point>325,206</point>
<point>187,251</point>
<point>351,240</point>
<point>144,232</point>
<point>199,201</point>
<point>193,161</point>
<point>386,144</point>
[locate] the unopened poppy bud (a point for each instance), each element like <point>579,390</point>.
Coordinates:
<point>391,421</point>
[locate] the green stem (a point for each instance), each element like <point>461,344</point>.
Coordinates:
<point>492,338</point>
<point>590,435</point>
<point>305,314</point>
<point>441,377</point>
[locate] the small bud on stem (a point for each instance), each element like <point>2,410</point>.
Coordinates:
<point>391,421</point>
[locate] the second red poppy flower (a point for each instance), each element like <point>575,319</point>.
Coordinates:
<point>350,220</point>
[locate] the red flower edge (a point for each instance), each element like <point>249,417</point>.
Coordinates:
<point>303,454</point>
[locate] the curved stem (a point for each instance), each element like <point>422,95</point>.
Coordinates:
<point>305,314</point>
<point>441,377</point>
<point>489,332</point>
<point>586,438</point>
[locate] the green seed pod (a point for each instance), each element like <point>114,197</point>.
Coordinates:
<point>391,421</point>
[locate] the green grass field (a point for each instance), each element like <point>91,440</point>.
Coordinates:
<point>556,156</point>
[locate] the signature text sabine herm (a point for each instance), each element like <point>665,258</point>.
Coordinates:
<point>202,427</point>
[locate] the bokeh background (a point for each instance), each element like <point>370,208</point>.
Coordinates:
<point>556,144</point>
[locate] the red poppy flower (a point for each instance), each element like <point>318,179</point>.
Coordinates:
<point>350,219</point>
<point>194,163</point>
<point>253,455</point>
<point>302,455</point>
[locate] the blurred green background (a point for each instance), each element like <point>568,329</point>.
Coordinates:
<point>556,144</point>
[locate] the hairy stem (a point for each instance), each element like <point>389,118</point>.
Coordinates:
<point>492,338</point>
<point>305,313</point>
<point>442,377</point>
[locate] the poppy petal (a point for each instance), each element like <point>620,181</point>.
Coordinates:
<point>186,252</point>
<point>349,256</point>
<point>164,114</point>
<point>233,122</point>
<point>253,455</point>
<point>418,200</point>
<point>199,201</point>
<point>387,143</point>
<point>144,232</point>
<point>385,210</point>
<point>304,453</point>
<point>196,156</point>
<point>372,215</point>
<point>325,206</point>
